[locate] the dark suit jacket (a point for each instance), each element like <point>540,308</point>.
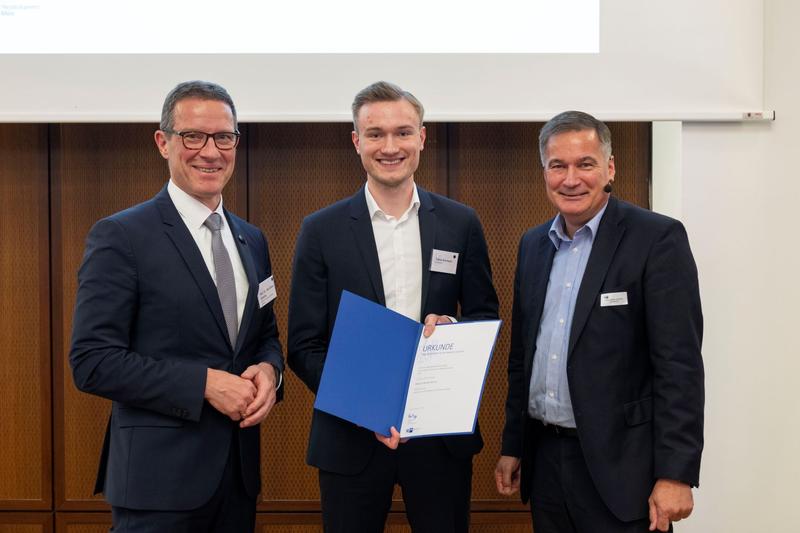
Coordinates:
<point>147,325</point>
<point>336,251</point>
<point>635,372</point>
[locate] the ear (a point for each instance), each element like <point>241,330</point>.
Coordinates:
<point>422,134</point>
<point>355,139</point>
<point>611,168</point>
<point>161,143</point>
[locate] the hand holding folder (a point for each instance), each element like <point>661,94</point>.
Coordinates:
<point>381,372</point>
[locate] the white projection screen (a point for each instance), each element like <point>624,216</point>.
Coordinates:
<point>499,60</point>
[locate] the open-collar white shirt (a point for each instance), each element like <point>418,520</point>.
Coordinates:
<point>400,255</point>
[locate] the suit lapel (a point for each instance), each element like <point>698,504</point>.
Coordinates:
<point>361,225</point>
<point>179,235</point>
<point>541,263</point>
<point>252,280</point>
<point>427,234</point>
<point>609,234</point>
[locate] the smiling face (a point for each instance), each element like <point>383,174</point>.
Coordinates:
<point>200,173</point>
<point>389,138</point>
<point>575,171</point>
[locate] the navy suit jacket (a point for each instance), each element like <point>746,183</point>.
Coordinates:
<point>336,251</point>
<point>635,372</point>
<point>147,325</point>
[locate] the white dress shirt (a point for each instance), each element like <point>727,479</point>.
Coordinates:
<point>400,255</point>
<point>194,213</point>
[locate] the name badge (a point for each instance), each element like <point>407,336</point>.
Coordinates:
<point>266,292</point>
<point>444,262</point>
<point>611,299</point>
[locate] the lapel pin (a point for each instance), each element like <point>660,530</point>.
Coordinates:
<point>241,239</point>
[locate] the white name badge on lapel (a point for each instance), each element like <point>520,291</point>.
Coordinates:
<point>611,299</point>
<point>445,262</point>
<point>266,292</point>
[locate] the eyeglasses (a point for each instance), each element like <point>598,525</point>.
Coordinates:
<point>196,140</point>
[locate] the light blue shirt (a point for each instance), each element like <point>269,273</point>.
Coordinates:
<point>549,388</point>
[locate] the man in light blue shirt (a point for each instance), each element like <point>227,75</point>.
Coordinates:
<point>549,391</point>
<point>604,414</point>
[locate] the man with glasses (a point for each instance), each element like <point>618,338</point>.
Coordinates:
<point>174,323</point>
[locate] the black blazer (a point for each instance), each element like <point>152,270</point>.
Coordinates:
<point>147,325</point>
<point>635,372</point>
<point>336,251</point>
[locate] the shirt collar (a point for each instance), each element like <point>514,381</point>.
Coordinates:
<point>558,235</point>
<point>193,211</point>
<point>372,205</point>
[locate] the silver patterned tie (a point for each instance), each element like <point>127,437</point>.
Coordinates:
<point>226,284</point>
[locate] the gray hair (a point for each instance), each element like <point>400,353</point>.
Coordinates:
<point>383,91</point>
<point>204,90</point>
<point>574,121</point>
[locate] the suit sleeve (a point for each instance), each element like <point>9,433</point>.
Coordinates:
<point>106,308</point>
<point>675,329</point>
<point>478,297</point>
<point>269,345</point>
<point>308,309</point>
<point>513,431</point>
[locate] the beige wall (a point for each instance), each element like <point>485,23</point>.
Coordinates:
<point>740,202</point>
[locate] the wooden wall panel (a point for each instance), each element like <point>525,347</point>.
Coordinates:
<point>21,528</point>
<point>76,522</point>
<point>296,169</point>
<point>25,419</point>
<point>495,168</point>
<point>97,169</point>
<point>288,523</point>
<point>83,522</point>
<point>26,522</point>
<point>395,523</point>
<point>518,522</point>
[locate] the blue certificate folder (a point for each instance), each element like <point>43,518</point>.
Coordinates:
<point>368,367</point>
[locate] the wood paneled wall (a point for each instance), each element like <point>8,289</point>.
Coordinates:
<point>25,393</point>
<point>57,180</point>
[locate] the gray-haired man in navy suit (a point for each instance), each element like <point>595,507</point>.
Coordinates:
<point>174,323</point>
<point>604,415</point>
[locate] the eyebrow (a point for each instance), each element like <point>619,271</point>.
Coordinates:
<point>584,159</point>
<point>404,127</point>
